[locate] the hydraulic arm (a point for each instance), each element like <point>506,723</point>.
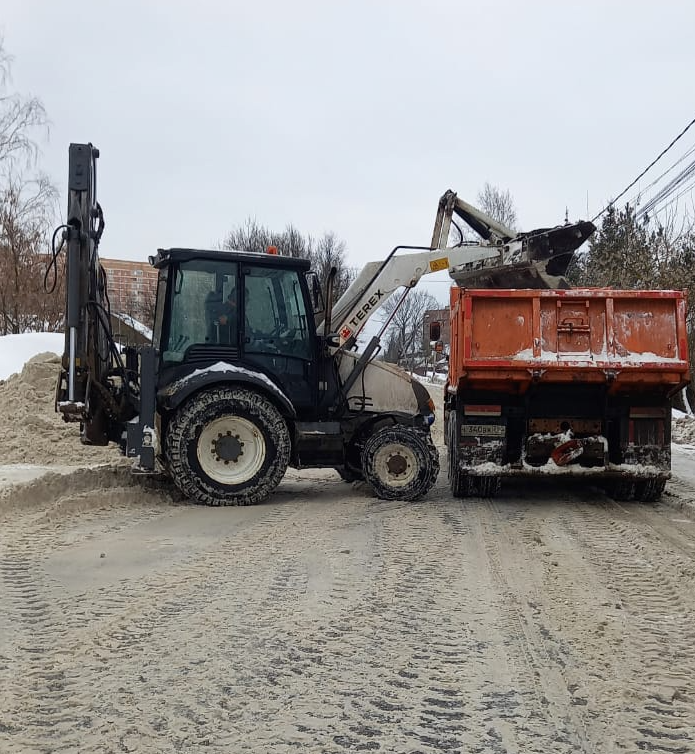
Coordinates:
<point>95,387</point>
<point>503,258</point>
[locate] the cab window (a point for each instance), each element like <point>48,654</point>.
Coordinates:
<point>203,305</point>
<point>276,318</point>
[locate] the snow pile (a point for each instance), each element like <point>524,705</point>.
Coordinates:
<point>31,431</point>
<point>436,391</point>
<point>16,350</point>
<point>682,428</point>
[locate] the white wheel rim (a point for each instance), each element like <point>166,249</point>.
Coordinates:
<point>396,464</point>
<point>231,450</point>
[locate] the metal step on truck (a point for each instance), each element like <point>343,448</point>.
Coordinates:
<point>564,382</point>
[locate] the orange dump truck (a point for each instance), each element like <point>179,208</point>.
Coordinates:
<point>575,382</point>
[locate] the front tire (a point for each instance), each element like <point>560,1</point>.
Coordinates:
<point>227,446</point>
<point>400,463</point>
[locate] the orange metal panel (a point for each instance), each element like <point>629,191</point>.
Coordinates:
<point>646,326</point>
<point>500,327</point>
<point>515,337</point>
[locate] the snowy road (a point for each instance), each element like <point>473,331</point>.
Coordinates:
<point>551,619</point>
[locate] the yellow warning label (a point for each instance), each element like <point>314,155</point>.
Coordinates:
<point>439,264</point>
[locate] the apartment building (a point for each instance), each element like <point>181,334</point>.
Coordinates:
<point>132,287</point>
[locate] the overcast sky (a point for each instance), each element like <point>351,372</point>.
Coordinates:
<point>354,116</point>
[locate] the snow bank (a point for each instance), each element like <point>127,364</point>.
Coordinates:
<point>32,432</point>
<point>16,350</point>
<point>682,427</point>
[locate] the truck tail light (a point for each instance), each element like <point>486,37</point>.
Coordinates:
<point>483,410</point>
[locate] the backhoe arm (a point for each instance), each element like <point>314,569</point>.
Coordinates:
<point>86,391</point>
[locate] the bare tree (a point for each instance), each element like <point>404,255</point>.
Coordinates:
<point>499,204</point>
<point>329,252</point>
<point>404,336</point>
<point>20,118</point>
<point>27,209</point>
<point>138,305</point>
<point>251,236</point>
<point>324,253</point>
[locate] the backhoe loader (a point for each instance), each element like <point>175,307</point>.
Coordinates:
<point>240,382</point>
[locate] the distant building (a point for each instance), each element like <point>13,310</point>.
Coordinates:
<point>132,288</point>
<point>435,315</point>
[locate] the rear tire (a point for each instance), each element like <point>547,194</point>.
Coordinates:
<point>488,486</point>
<point>459,482</point>
<point>400,463</point>
<point>622,490</point>
<point>649,490</point>
<point>227,446</point>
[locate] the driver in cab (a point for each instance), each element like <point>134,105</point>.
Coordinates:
<point>224,320</point>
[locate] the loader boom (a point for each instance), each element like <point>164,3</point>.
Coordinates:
<point>503,258</point>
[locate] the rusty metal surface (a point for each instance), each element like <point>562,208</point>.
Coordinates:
<point>600,335</point>
<point>556,425</point>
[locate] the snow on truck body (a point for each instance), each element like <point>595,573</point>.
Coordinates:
<point>564,382</point>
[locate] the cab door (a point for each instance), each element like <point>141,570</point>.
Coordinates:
<point>279,334</point>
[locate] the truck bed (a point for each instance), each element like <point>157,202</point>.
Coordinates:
<point>575,382</point>
<point>507,340</point>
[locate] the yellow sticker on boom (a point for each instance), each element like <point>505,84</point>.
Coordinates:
<point>439,264</point>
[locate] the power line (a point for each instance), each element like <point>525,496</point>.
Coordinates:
<point>646,170</point>
<point>688,188</point>
<point>670,188</point>
<point>667,171</point>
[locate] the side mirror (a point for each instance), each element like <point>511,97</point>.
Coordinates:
<point>435,331</point>
<point>315,290</point>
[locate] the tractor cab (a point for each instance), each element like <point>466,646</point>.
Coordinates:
<point>238,308</point>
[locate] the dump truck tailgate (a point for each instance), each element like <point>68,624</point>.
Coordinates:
<point>508,339</point>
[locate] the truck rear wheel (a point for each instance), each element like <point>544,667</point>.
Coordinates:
<point>459,482</point>
<point>622,490</point>
<point>400,463</point>
<point>228,446</point>
<point>649,490</point>
<point>488,486</point>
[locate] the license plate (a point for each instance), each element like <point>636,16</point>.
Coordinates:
<point>493,430</point>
